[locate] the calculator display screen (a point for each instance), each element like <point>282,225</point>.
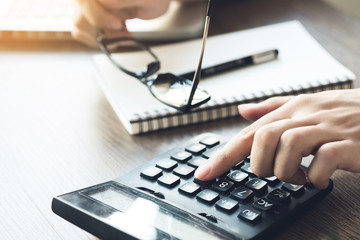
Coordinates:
<point>142,217</point>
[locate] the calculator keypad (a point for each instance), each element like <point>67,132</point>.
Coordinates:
<point>175,205</point>
<point>238,190</point>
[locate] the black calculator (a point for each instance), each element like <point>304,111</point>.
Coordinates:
<point>162,200</point>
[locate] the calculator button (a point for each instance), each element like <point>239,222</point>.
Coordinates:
<point>196,162</point>
<point>196,148</point>
<point>238,177</point>
<point>169,180</point>
<point>210,152</point>
<point>257,185</point>
<point>264,204</point>
<point>151,173</point>
<point>227,204</point>
<point>203,183</point>
<point>166,164</point>
<point>210,141</point>
<point>223,186</point>
<point>279,195</point>
<point>294,190</point>
<point>190,189</point>
<point>184,171</point>
<point>247,169</point>
<point>181,156</point>
<point>272,180</point>
<point>242,194</point>
<point>208,196</point>
<point>250,214</point>
<point>247,159</point>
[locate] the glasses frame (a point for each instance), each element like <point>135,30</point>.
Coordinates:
<point>154,66</point>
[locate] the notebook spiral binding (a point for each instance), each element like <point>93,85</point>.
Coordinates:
<point>227,108</point>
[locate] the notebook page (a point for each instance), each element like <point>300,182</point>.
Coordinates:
<point>301,63</point>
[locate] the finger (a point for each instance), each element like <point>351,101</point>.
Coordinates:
<point>295,144</point>
<point>253,111</point>
<point>234,151</point>
<point>238,148</point>
<point>83,31</point>
<point>265,144</point>
<point>117,34</point>
<point>143,9</point>
<point>331,156</point>
<point>99,17</point>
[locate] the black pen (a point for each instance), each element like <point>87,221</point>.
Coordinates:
<point>257,58</point>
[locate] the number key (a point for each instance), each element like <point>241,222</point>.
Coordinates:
<point>238,177</point>
<point>169,180</point>
<point>210,141</point>
<point>242,194</point>
<point>223,186</point>
<point>184,171</point>
<point>257,185</point>
<point>190,189</point>
<point>181,156</point>
<point>151,173</point>
<point>166,164</point>
<point>196,162</point>
<point>196,148</point>
<point>208,196</point>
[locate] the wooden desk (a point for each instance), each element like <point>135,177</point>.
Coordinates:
<point>58,132</point>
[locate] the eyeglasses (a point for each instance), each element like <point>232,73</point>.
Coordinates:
<point>175,91</point>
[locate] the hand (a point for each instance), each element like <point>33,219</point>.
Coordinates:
<point>110,15</point>
<point>325,124</point>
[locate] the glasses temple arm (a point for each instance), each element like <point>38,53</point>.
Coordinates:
<point>197,74</point>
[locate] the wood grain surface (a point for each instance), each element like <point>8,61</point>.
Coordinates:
<point>59,133</point>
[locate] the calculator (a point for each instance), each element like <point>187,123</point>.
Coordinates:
<point>162,200</point>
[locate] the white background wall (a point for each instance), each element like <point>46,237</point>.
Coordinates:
<point>350,6</point>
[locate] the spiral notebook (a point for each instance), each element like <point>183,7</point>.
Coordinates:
<point>302,66</point>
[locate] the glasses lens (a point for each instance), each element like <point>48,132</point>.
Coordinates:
<point>132,56</point>
<point>175,91</point>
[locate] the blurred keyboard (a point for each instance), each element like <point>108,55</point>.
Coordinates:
<point>52,19</point>
<point>45,19</point>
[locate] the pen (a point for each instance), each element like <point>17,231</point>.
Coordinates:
<point>254,59</point>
